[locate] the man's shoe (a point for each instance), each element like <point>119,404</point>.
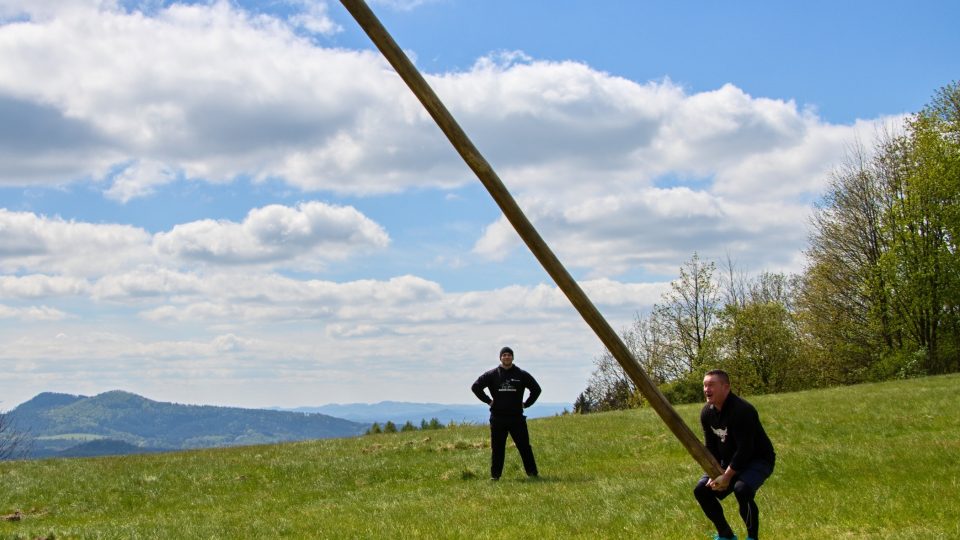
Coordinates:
<point>494,478</point>
<point>718,537</point>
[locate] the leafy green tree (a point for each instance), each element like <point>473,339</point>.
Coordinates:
<point>672,344</point>
<point>584,403</point>
<point>389,427</point>
<point>408,426</point>
<point>757,338</point>
<point>844,299</point>
<point>923,264</point>
<point>766,346</point>
<point>374,429</point>
<point>883,284</point>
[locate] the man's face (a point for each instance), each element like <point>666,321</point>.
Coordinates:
<point>715,390</point>
<point>506,359</point>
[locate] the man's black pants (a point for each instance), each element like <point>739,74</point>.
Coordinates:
<point>744,486</point>
<point>516,427</point>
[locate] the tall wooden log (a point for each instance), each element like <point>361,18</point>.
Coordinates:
<point>465,147</point>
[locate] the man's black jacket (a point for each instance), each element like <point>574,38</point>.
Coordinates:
<point>506,387</point>
<point>734,434</point>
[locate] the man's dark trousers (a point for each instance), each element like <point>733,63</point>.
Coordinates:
<point>744,486</point>
<point>516,427</point>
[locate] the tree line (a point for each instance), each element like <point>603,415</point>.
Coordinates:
<point>390,427</point>
<point>879,297</point>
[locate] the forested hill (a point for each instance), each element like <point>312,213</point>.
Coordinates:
<point>57,422</point>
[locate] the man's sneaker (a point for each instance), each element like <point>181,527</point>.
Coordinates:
<point>718,537</point>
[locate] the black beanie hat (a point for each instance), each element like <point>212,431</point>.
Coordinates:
<point>506,349</point>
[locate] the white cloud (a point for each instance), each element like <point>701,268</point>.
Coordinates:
<point>313,17</point>
<point>31,313</point>
<point>304,237</point>
<point>41,286</point>
<point>312,231</point>
<point>147,283</point>
<point>139,180</point>
<point>40,244</point>
<point>208,90</point>
<point>254,341</point>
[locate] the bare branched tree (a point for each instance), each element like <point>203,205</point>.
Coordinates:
<point>14,443</point>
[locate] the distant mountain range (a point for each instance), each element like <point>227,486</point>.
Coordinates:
<point>119,422</point>
<point>400,412</point>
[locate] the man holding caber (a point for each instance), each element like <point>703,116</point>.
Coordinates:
<point>733,434</point>
<point>507,383</point>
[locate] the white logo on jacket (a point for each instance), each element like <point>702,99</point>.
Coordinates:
<point>722,433</point>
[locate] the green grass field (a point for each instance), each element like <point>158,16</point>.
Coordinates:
<point>872,461</point>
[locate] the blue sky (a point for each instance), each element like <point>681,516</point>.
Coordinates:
<point>239,203</point>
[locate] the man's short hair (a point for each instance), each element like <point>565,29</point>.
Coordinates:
<point>719,373</point>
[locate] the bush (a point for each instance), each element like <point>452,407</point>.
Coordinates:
<point>686,390</point>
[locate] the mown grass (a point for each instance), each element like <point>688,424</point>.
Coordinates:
<point>873,461</point>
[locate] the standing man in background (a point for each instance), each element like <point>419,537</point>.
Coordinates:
<point>506,383</point>
<point>734,435</point>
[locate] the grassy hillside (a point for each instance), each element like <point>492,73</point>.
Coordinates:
<point>874,461</point>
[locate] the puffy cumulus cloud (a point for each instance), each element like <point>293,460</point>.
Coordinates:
<point>41,144</point>
<point>139,179</point>
<point>210,92</point>
<point>41,286</point>
<point>634,296</point>
<point>620,176</point>
<point>526,115</point>
<point>654,228</point>
<point>49,257</point>
<point>312,232</point>
<point>800,170</point>
<point>38,244</point>
<point>313,17</point>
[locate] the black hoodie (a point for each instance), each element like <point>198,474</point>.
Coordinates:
<point>734,434</point>
<point>506,386</point>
